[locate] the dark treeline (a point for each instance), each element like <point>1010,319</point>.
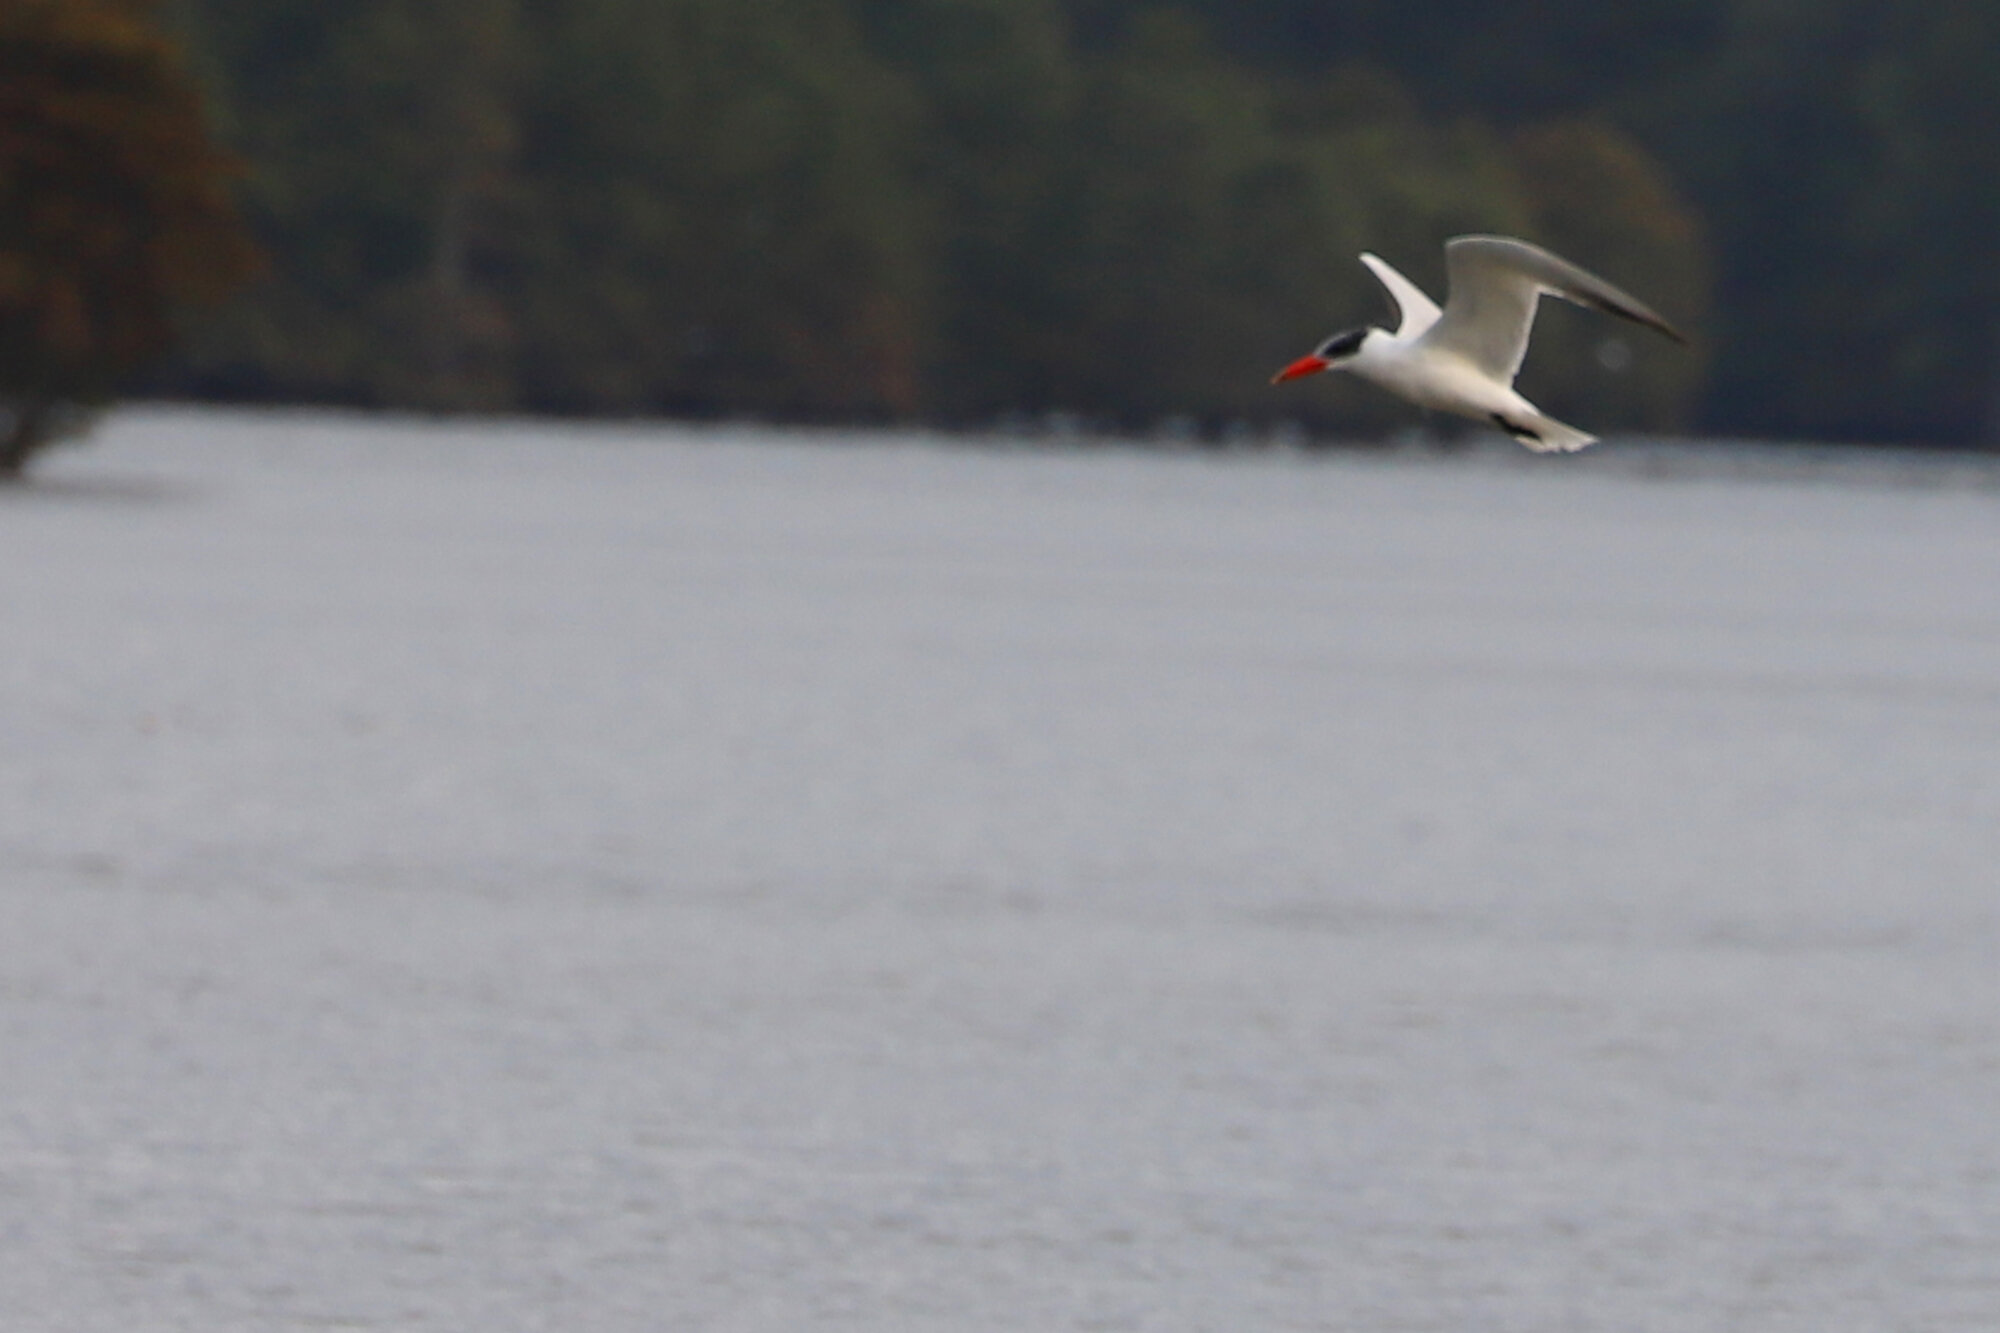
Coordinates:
<point>115,211</point>
<point>964,210</point>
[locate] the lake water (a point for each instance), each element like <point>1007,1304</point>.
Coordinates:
<point>517,878</point>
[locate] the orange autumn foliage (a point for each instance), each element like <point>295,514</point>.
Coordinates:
<point>115,205</point>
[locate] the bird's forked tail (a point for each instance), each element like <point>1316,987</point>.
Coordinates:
<point>1544,434</point>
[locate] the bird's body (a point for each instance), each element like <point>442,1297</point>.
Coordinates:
<point>1463,358</point>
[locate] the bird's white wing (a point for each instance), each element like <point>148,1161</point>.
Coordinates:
<point>1496,282</point>
<point>1416,311</point>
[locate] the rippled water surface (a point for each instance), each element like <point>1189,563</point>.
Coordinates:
<point>505,879</point>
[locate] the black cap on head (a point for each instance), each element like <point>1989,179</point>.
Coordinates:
<point>1342,345</point>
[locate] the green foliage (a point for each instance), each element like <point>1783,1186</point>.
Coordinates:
<point>618,205</point>
<point>1853,148</point>
<point>949,210</point>
<point>1506,63</point>
<point>114,207</point>
<point>1211,221</point>
<point>998,87</point>
<point>381,133</point>
<point>719,213</point>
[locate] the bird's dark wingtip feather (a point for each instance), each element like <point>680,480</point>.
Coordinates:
<point>1641,316</point>
<point>1666,330</point>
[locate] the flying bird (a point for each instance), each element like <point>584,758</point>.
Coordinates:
<point>1463,359</point>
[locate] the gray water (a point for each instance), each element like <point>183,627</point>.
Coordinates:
<point>506,878</point>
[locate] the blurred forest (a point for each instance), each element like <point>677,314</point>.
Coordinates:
<point>115,210</point>
<point>1105,211</point>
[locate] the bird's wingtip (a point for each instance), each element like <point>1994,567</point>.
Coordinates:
<point>1661,326</point>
